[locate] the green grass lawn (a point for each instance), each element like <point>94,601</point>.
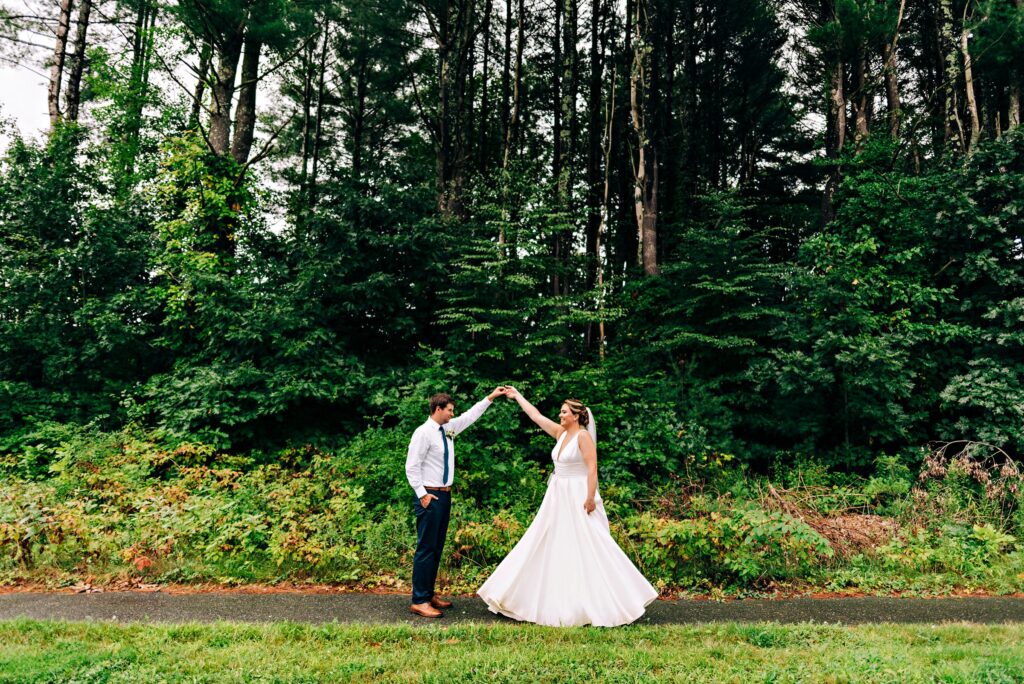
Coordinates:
<point>33,651</point>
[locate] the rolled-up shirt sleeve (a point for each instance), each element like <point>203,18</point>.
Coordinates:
<point>414,463</point>
<point>459,424</point>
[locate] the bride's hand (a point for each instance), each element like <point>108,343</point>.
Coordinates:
<point>511,392</point>
<point>589,506</point>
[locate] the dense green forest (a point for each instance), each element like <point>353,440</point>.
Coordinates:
<point>755,237</point>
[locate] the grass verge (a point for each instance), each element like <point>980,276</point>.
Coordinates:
<point>35,651</point>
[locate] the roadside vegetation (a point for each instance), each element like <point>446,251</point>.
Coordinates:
<point>119,509</point>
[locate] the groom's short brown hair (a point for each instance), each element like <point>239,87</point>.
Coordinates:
<point>440,401</point>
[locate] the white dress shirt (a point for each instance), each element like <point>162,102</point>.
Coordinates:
<point>424,466</point>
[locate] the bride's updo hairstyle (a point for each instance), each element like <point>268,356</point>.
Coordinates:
<point>578,410</point>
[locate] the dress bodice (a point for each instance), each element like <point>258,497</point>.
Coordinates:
<point>570,462</point>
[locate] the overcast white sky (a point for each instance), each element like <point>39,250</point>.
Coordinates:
<point>23,100</point>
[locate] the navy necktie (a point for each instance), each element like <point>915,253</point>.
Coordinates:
<point>444,440</point>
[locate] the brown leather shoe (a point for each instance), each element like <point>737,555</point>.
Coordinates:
<point>425,610</point>
<point>440,602</point>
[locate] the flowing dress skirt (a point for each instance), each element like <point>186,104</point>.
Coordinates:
<point>567,569</point>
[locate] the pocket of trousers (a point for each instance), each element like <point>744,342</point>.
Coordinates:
<point>419,509</point>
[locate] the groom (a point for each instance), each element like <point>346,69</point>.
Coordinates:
<point>430,469</point>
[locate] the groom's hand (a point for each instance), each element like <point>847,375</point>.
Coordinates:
<point>498,392</point>
<point>427,498</point>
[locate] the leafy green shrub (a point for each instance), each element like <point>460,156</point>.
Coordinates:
<point>376,460</point>
<point>969,551</point>
<point>742,546</point>
<point>389,541</point>
<point>890,484</point>
<point>486,542</point>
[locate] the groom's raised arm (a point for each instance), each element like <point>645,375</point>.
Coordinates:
<point>463,421</point>
<point>469,417</point>
<point>414,463</point>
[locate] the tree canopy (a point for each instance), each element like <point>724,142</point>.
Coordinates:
<point>762,229</point>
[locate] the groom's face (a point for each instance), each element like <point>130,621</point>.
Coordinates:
<point>443,415</point>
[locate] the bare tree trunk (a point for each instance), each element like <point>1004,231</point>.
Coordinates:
<point>443,151</point>
<point>245,111</point>
<point>609,119</point>
<point>147,51</point>
<point>142,50</point>
<point>972,103</point>
<point>933,75</point>
<point>307,122</point>
<point>860,104</point>
<point>952,72</point>
<point>223,91</point>
<point>359,117</point>
<point>626,246</point>
<point>714,123</point>
<point>689,49</point>
<point>1013,108</point>
<point>571,86</point>
<point>506,73</point>
<point>645,168</point>
<point>205,55</point>
<point>835,123</point>
<point>748,158</point>
<point>892,90</point>
<point>57,67</point>
<point>556,93</point>
<point>511,127</point>
<point>72,97</point>
<point>467,85</point>
<point>565,103</point>
<point>448,31</point>
<point>891,71</point>
<point>594,135</point>
<point>485,103</point>
<point>467,27</point>
<point>139,38</point>
<point>318,130</point>
<point>517,84</point>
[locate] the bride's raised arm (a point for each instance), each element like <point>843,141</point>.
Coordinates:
<point>546,424</point>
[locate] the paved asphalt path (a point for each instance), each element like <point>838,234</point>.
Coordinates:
<point>393,609</point>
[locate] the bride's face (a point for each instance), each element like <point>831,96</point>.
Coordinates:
<point>566,417</point>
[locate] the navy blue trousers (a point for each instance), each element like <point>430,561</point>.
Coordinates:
<point>431,529</point>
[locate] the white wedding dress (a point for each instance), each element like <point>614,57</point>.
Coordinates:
<point>567,569</point>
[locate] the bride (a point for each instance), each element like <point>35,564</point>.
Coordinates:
<point>567,569</point>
